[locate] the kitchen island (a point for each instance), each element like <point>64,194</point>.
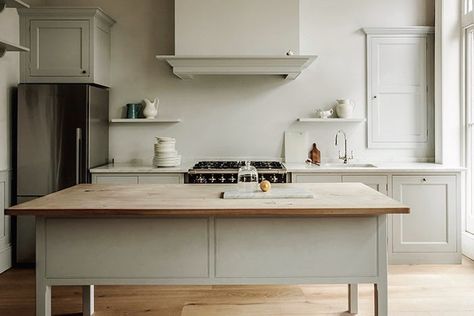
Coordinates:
<point>187,234</point>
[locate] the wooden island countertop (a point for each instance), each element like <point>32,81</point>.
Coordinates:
<point>187,200</point>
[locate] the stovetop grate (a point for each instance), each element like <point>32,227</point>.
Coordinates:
<point>223,165</point>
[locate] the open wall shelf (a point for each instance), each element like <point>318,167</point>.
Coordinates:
<point>6,46</point>
<point>145,121</point>
<point>332,120</point>
<point>18,4</point>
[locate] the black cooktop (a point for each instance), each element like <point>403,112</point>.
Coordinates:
<point>221,165</point>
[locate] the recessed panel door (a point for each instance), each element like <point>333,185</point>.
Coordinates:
<point>60,48</point>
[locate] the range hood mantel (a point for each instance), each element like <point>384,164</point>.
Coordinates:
<point>186,67</point>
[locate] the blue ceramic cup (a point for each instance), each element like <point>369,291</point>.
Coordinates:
<point>133,110</point>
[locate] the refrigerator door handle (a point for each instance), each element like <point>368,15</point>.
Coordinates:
<point>78,154</point>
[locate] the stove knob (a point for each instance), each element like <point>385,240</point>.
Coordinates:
<point>274,178</point>
<point>232,179</point>
<point>212,179</point>
<point>200,179</point>
<point>222,178</point>
<point>262,178</point>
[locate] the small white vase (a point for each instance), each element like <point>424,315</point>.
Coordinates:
<point>151,108</point>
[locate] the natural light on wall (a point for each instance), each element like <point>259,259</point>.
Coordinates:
<point>468,16</point>
<point>467,6</point>
<point>468,25</point>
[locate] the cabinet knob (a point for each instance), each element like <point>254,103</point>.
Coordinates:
<point>84,72</point>
<point>424,180</point>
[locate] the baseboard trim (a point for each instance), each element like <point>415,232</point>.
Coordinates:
<point>468,245</point>
<point>425,258</point>
<point>5,259</point>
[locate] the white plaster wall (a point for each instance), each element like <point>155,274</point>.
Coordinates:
<point>9,76</point>
<point>247,116</point>
<point>236,27</point>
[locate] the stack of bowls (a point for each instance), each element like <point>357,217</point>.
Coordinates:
<point>165,153</point>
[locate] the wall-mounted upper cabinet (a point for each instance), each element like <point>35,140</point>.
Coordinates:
<point>400,86</point>
<point>67,45</point>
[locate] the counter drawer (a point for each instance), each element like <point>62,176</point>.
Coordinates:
<point>162,179</point>
<point>315,178</point>
<point>115,179</point>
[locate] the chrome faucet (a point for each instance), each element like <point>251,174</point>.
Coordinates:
<point>346,157</point>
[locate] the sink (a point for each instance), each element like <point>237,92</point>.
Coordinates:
<point>350,165</point>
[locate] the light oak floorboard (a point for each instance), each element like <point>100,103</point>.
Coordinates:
<point>416,290</point>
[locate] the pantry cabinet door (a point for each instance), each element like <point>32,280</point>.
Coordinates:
<point>398,109</point>
<point>379,183</point>
<point>431,225</point>
<point>59,48</point>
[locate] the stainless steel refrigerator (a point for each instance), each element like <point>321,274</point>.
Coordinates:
<point>61,132</point>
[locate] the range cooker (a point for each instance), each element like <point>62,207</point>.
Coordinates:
<point>216,172</point>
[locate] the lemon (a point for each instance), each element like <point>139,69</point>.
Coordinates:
<point>265,185</point>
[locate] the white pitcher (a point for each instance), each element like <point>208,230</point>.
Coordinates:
<point>345,108</point>
<point>151,108</point>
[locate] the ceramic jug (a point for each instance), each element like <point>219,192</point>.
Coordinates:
<point>151,108</point>
<point>345,108</point>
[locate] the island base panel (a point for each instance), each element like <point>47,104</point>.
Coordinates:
<point>207,251</point>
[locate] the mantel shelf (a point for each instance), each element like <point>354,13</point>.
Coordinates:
<point>331,120</point>
<point>6,46</point>
<point>186,67</point>
<point>144,120</point>
<point>18,4</point>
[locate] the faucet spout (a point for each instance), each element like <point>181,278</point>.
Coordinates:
<point>346,157</point>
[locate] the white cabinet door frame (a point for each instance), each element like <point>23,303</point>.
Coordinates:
<point>422,226</point>
<point>399,103</point>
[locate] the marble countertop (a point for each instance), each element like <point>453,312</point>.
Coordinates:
<point>140,168</point>
<point>377,167</point>
<point>381,167</point>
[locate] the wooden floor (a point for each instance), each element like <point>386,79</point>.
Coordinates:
<point>446,290</point>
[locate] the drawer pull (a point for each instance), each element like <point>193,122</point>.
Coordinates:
<point>424,180</point>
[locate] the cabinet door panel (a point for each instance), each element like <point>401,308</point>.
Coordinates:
<point>378,183</point>
<point>60,48</point>
<point>398,97</point>
<point>431,224</point>
<point>315,178</point>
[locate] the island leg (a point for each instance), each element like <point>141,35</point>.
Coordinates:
<point>43,290</point>
<point>353,298</point>
<point>380,287</point>
<point>381,299</point>
<point>43,300</point>
<point>88,300</point>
